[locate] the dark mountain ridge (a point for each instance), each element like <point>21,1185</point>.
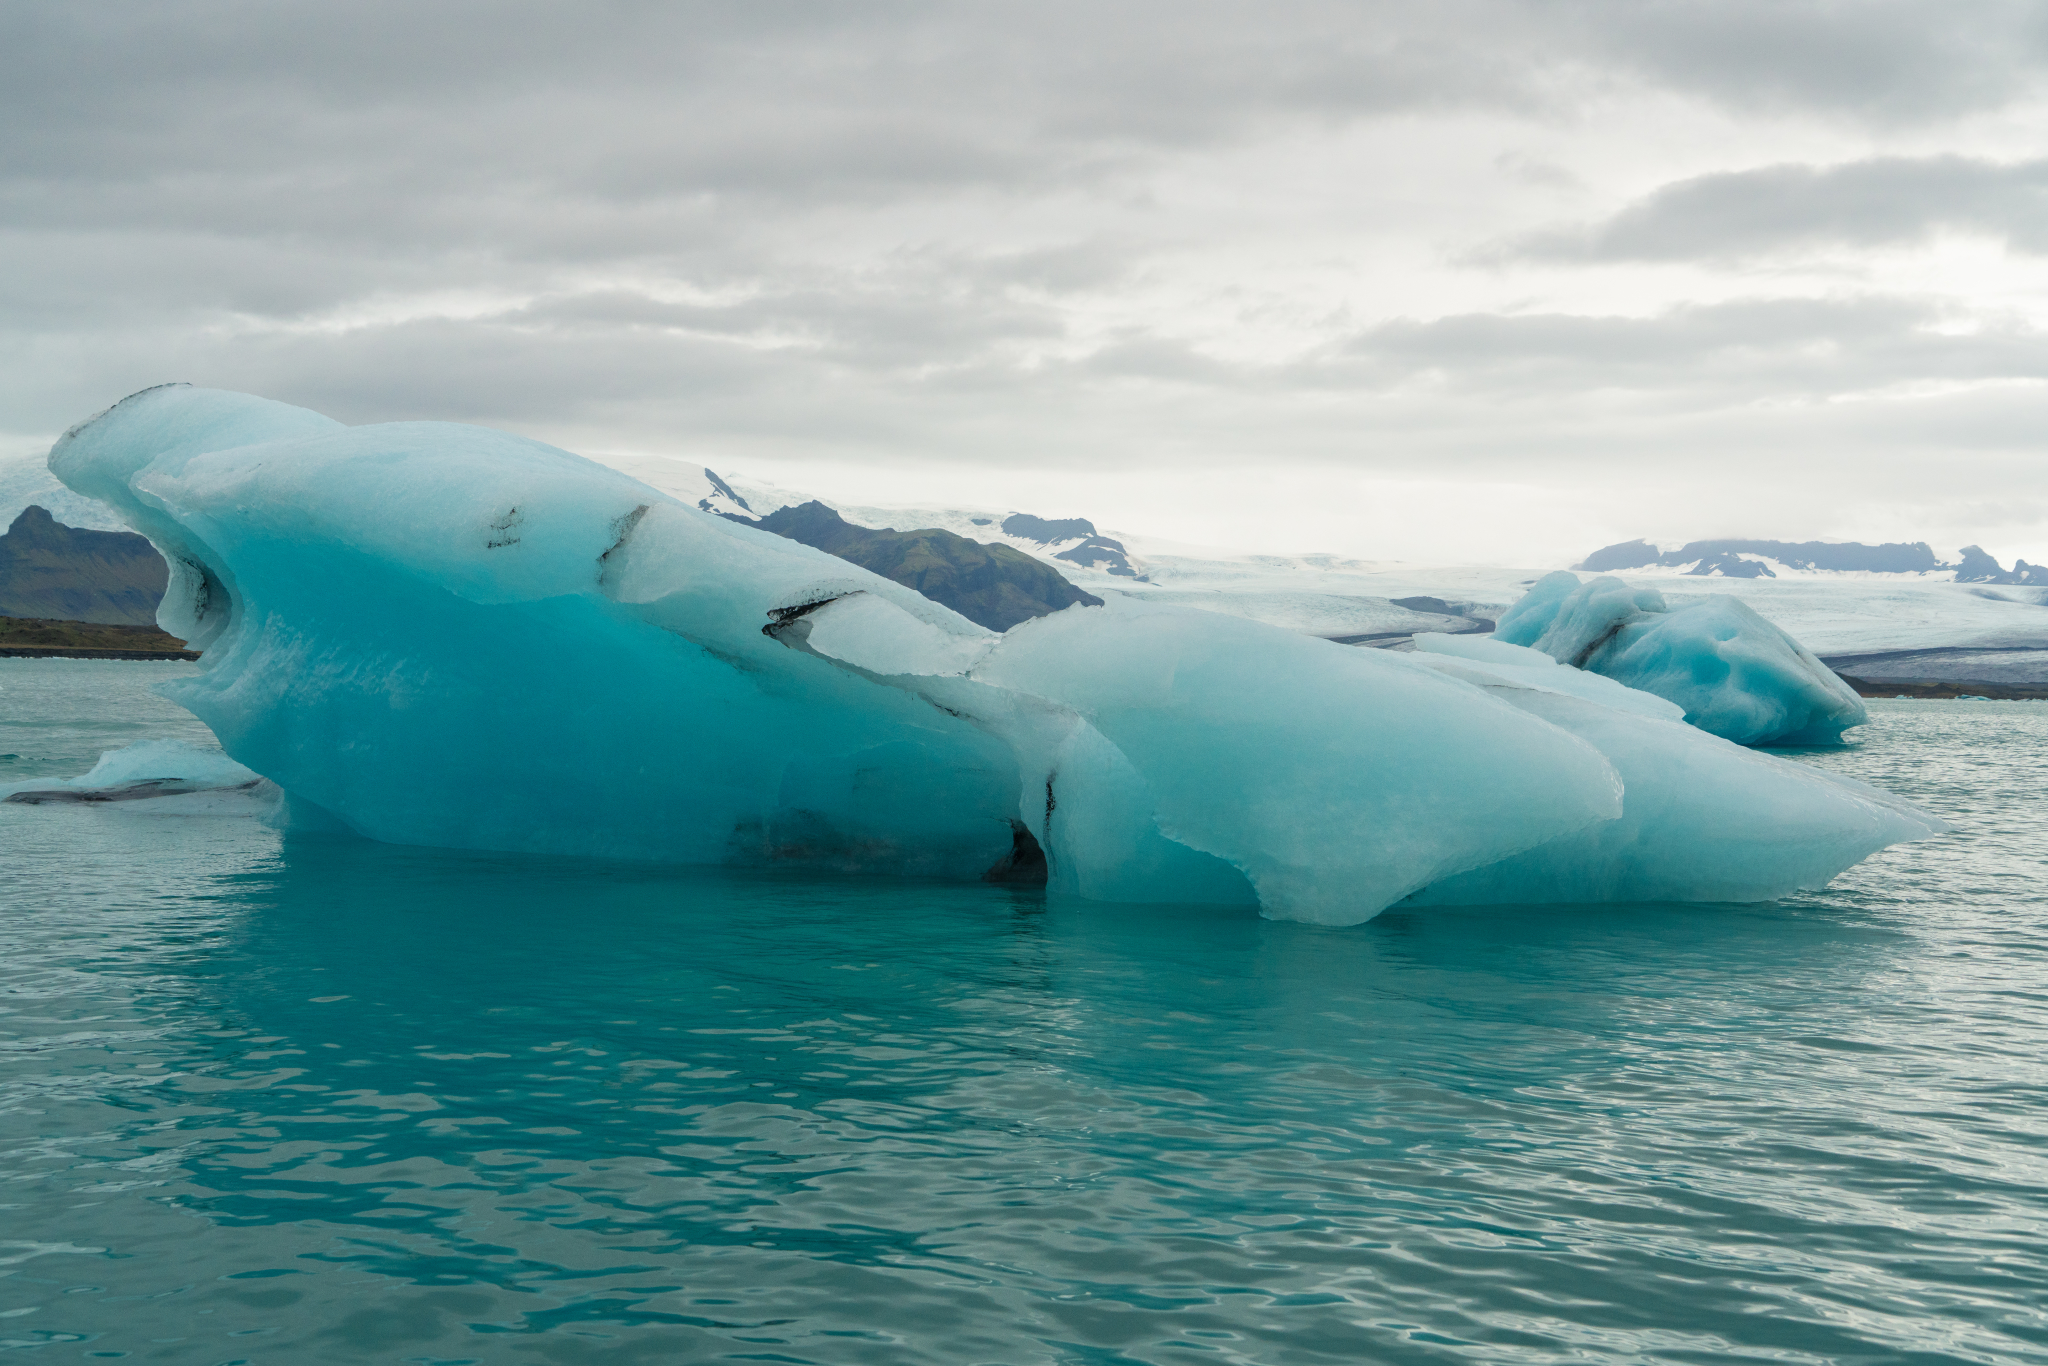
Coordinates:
<point>1977,566</point>
<point>1724,559</point>
<point>1093,551</point>
<point>115,578</point>
<point>991,585</point>
<point>49,570</point>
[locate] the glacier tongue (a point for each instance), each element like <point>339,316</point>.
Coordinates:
<point>436,634</point>
<point>1735,674</point>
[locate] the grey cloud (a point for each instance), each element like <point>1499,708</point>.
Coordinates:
<point>1164,360</point>
<point>382,144</point>
<point>896,375</point>
<point>1883,61</point>
<point>125,278</point>
<point>878,328</point>
<point>1571,405</point>
<point>634,100</point>
<point>1753,351</point>
<point>1531,171</point>
<point>266,196</point>
<point>1775,209</point>
<point>717,96</point>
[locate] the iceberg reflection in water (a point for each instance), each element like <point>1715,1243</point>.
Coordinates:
<point>441,635</point>
<point>287,1098</point>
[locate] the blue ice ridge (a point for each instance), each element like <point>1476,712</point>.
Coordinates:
<point>1732,673</point>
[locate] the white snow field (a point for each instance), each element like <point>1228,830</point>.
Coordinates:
<point>437,634</point>
<point>1830,613</point>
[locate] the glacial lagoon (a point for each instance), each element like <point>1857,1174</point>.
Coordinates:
<point>277,1098</point>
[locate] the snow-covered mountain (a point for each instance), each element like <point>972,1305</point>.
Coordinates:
<point>691,482</point>
<point>1068,543</point>
<point>1265,588</point>
<point>1317,595</point>
<point>1740,559</point>
<point>1857,609</point>
<point>1971,608</point>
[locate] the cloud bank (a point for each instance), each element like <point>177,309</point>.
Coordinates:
<point>1468,280</point>
<point>1775,210</point>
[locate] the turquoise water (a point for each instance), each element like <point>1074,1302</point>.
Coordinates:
<point>273,1099</point>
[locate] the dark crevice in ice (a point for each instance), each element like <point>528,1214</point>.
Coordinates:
<point>784,618</point>
<point>1597,644</point>
<point>622,531</point>
<point>1024,865</point>
<point>202,587</point>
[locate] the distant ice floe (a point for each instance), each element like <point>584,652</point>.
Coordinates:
<point>208,781</point>
<point>1732,673</point>
<point>441,635</point>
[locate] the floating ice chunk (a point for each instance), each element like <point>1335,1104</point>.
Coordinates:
<point>1738,676</point>
<point>443,635</point>
<point>1529,616</point>
<point>1333,778</point>
<point>141,771</point>
<point>435,634</point>
<point>1100,818</point>
<point>148,760</point>
<point>1703,819</point>
<point>1569,620</point>
<point>1735,674</point>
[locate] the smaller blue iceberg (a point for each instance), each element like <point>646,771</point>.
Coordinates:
<point>1733,673</point>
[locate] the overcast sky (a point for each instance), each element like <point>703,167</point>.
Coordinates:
<point>1457,280</point>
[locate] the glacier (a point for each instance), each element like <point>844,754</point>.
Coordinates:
<point>428,633</point>
<point>1733,673</point>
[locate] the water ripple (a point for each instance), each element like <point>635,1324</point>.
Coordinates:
<point>302,1100</point>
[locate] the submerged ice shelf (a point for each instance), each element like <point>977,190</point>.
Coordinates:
<point>436,634</point>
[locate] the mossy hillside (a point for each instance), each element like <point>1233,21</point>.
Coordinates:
<point>43,633</point>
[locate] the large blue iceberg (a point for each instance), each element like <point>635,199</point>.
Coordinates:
<point>1732,673</point>
<point>438,634</point>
